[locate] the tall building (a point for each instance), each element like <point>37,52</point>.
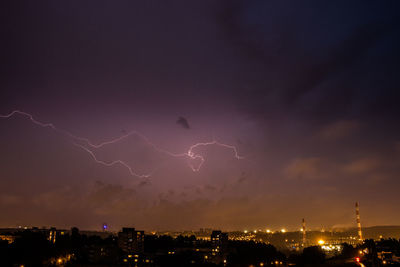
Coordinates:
<point>219,239</point>
<point>219,242</point>
<point>131,241</point>
<point>52,235</point>
<point>303,229</point>
<point>360,237</point>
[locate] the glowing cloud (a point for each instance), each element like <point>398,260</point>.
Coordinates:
<point>90,146</point>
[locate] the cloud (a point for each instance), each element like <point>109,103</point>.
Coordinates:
<point>183,122</point>
<point>306,69</point>
<point>305,169</point>
<point>144,183</point>
<point>305,83</point>
<point>361,166</point>
<point>10,199</point>
<point>66,197</point>
<point>105,194</point>
<point>397,146</point>
<point>339,129</point>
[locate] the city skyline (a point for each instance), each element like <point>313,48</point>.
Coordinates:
<point>183,115</point>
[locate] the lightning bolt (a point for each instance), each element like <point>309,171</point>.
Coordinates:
<point>112,163</point>
<point>190,154</point>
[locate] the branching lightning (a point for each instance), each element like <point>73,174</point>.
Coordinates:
<point>112,163</point>
<point>192,155</point>
<point>90,146</point>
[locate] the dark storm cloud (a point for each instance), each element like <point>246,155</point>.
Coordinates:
<point>315,78</point>
<point>342,58</point>
<point>307,92</point>
<point>183,122</point>
<point>144,183</point>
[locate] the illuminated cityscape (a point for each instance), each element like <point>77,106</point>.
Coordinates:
<point>199,133</point>
<point>205,247</point>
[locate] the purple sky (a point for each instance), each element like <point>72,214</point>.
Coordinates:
<point>308,94</point>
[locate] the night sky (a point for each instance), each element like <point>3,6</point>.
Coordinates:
<point>307,92</point>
